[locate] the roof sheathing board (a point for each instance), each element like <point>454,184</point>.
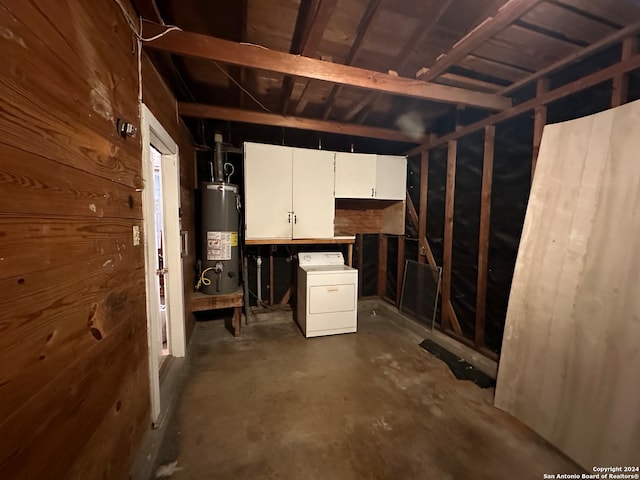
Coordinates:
<point>270,23</point>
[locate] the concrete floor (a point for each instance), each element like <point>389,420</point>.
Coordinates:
<point>371,405</point>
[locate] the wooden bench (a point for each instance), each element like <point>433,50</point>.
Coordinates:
<point>201,302</point>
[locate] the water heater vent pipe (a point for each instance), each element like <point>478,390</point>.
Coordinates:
<point>218,164</point>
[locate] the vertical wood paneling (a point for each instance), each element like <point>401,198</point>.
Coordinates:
<point>483,245</point>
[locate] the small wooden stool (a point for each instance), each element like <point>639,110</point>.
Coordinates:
<point>201,302</point>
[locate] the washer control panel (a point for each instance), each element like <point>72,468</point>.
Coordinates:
<point>320,258</point>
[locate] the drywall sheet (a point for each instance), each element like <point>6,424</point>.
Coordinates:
<point>570,365</point>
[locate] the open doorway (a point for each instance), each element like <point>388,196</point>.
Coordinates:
<point>155,158</point>
<point>163,260</point>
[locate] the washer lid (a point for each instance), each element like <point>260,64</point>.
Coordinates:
<point>308,259</point>
<point>327,268</point>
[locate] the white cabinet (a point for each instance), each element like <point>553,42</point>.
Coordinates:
<point>391,177</point>
<point>381,177</point>
<point>355,175</point>
<point>288,192</point>
<point>268,190</point>
<point>313,199</point>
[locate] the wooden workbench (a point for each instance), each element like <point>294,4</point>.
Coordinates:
<point>346,240</point>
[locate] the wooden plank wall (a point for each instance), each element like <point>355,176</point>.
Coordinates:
<point>73,347</point>
<point>570,362</point>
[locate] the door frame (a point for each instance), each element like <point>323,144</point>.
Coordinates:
<point>154,133</point>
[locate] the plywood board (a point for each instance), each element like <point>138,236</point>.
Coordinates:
<point>570,356</point>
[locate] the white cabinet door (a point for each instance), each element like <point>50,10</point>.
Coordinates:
<point>355,175</point>
<point>267,192</point>
<point>313,200</point>
<point>391,177</point>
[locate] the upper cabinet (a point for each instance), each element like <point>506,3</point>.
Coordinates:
<point>288,192</point>
<point>355,175</point>
<point>391,177</point>
<point>381,177</point>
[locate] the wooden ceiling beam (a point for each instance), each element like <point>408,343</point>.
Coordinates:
<point>575,57</point>
<point>211,48</point>
<point>197,110</point>
<point>506,15</point>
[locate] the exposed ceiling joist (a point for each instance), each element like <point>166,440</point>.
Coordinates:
<point>211,48</point>
<point>508,13</point>
<point>575,57</point>
<point>467,82</point>
<point>197,110</point>
<point>367,19</point>
<point>313,18</point>
<point>363,102</point>
<point>624,66</point>
<point>317,26</point>
<point>422,30</point>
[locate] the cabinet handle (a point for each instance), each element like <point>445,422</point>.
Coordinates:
<point>373,192</point>
<point>295,219</point>
<point>289,219</point>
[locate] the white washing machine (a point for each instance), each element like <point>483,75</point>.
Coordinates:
<point>327,294</point>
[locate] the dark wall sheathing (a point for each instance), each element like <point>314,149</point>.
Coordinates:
<point>285,263</point>
<point>435,201</point>
<point>634,85</point>
<point>509,197</point>
<point>466,230</point>
<point>411,249</point>
<point>413,187</point>
<point>413,181</point>
<point>392,268</point>
<point>586,102</point>
<point>369,266</point>
<point>592,64</point>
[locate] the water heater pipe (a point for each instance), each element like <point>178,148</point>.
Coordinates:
<point>259,277</point>
<point>218,164</point>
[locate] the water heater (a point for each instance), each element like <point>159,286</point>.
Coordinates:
<point>220,255</point>
<point>220,251</point>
